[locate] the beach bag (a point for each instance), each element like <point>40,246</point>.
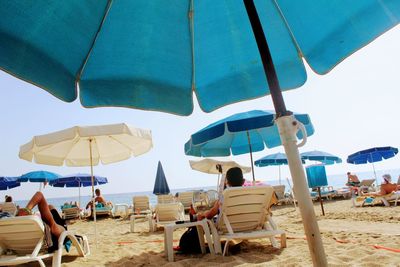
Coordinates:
<point>189,242</point>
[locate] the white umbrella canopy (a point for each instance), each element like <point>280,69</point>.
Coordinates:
<point>88,146</point>
<point>108,144</point>
<point>210,166</point>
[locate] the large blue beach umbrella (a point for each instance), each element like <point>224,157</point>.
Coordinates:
<point>154,54</point>
<point>160,186</point>
<point>321,156</point>
<point>241,133</point>
<point>372,155</point>
<point>39,177</point>
<point>276,159</point>
<point>78,180</point>
<point>8,182</point>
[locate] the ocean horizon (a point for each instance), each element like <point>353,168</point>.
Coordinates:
<point>336,181</point>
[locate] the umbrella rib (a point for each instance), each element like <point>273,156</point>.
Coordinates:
<point>191,28</point>
<point>79,74</point>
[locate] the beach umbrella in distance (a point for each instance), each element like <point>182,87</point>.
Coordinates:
<point>106,75</point>
<point>213,166</point>
<point>372,155</point>
<point>242,133</point>
<point>8,182</point>
<point>160,186</point>
<point>88,146</point>
<point>276,159</point>
<point>39,177</point>
<point>321,156</point>
<point>78,180</point>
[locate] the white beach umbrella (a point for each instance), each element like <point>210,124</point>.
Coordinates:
<point>219,167</point>
<point>87,146</point>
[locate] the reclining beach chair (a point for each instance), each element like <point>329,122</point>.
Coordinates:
<point>280,194</point>
<point>141,205</point>
<point>244,214</point>
<point>365,185</point>
<point>167,213</point>
<point>103,211</point>
<point>70,212</point>
<point>386,199</point>
<point>22,241</point>
<point>186,198</point>
<point>9,207</point>
<point>161,199</point>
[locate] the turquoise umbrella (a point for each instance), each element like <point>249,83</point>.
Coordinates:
<point>39,177</point>
<point>321,156</point>
<point>154,54</point>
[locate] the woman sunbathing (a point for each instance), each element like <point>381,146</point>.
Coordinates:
<point>386,187</point>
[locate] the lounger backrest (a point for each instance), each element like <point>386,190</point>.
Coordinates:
<point>279,191</point>
<point>244,209</point>
<point>9,207</point>
<point>367,182</point>
<point>170,212</point>
<point>186,198</point>
<point>165,199</point>
<point>21,234</point>
<point>141,203</point>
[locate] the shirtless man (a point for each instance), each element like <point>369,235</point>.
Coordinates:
<point>352,180</point>
<point>98,199</point>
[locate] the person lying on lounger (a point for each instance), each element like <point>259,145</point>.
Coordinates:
<point>49,215</point>
<point>386,187</point>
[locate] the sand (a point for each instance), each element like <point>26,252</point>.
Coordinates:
<point>349,235</point>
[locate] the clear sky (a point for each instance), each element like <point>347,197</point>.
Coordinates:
<point>354,107</point>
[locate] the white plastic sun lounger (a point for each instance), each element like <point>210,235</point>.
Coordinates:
<point>22,241</point>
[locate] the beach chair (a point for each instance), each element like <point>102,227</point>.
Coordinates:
<point>386,199</point>
<point>326,192</point>
<point>186,198</point>
<point>167,213</point>
<point>104,211</point>
<point>280,194</point>
<point>212,197</point>
<point>365,185</point>
<point>69,212</point>
<point>22,241</point>
<point>161,199</point>
<point>243,215</point>
<point>141,205</point>
<point>9,207</point>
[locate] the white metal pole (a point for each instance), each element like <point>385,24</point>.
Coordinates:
<point>93,202</point>
<point>288,127</point>
<point>280,182</point>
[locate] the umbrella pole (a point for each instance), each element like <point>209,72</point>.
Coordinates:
<point>93,202</point>
<point>321,201</point>
<point>373,167</point>
<point>287,126</point>
<point>251,157</point>
<point>280,182</point>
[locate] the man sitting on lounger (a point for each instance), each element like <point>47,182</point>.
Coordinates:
<point>352,180</point>
<point>99,199</point>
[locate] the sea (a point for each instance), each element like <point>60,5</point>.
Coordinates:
<point>336,181</point>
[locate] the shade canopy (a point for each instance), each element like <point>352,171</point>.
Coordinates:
<point>78,180</point>
<point>39,176</point>
<point>321,156</point>
<point>160,186</point>
<point>229,136</point>
<point>372,155</point>
<point>154,54</point>
<point>8,182</point>
<point>211,166</point>
<point>276,159</point>
<point>86,145</point>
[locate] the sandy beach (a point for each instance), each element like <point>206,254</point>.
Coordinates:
<point>367,236</point>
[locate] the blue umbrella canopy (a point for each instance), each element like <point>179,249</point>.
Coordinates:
<point>229,136</point>
<point>321,156</point>
<point>8,183</point>
<point>160,185</point>
<point>212,53</point>
<point>276,159</point>
<point>38,176</point>
<point>78,180</point>
<point>372,155</point>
